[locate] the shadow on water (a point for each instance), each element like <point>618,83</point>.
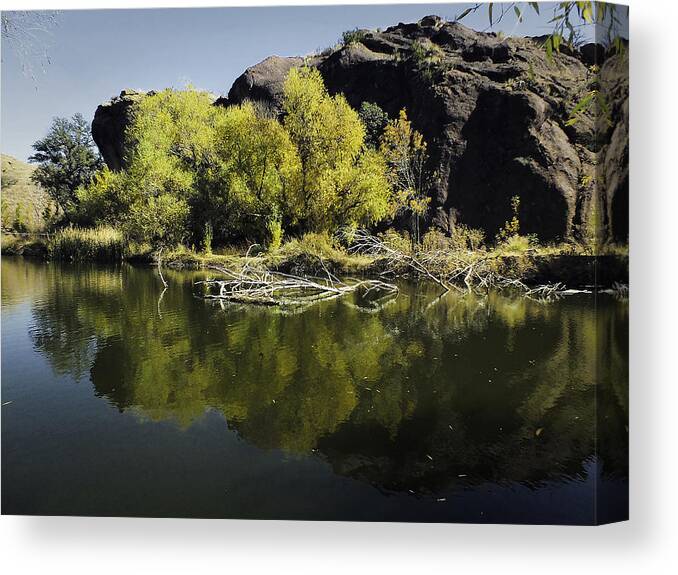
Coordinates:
<point>429,401</point>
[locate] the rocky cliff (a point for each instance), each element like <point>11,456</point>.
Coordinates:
<point>493,110</point>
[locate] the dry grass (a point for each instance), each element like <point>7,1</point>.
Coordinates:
<point>101,244</point>
<point>23,202</point>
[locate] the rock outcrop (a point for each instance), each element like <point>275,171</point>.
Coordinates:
<point>612,170</point>
<point>110,122</point>
<point>493,110</point>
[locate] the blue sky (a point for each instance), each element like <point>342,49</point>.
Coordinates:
<point>95,54</point>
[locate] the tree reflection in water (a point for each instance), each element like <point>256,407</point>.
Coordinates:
<point>409,397</point>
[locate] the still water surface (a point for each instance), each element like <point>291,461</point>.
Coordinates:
<point>473,409</point>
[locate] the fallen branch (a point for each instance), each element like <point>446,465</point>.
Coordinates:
<point>261,286</point>
<point>449,269</point>
<point>364,242</point>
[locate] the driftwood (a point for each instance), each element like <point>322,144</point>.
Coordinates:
<point>364,242</point>
<point>448,269</point>
<point>261,286</point>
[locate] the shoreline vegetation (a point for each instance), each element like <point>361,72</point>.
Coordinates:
<point>316,254</point>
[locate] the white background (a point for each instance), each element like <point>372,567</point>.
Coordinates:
<point>646,544</point>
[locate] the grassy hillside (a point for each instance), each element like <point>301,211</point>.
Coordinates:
<point>23,202</point>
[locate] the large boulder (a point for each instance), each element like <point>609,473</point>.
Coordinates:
<point>110,122</point>
<point>494,112</point>
<point>264,82</point>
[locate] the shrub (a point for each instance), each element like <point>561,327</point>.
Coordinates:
<point>435,240</point>
<point>5,214</point>
<point>325,52</point>
<point>10,244</point>
<point>466,238</point>
<point>397,241</point>
<point>352,36</point>
<point>404,151</point>
<point>511,227</point>
<point>426,56</point>
<point>316,244</point>
<point>20,222</point>
<point>374,119</point>
<point>92,244</point>
<point>517,244</point>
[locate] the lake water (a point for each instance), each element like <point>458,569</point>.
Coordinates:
<point>466,408</point>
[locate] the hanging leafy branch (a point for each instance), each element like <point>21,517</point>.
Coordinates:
<point>567,19</point>
<point>592,97</point>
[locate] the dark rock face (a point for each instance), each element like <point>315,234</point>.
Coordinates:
<point>514,148</point>
<point>108,127</point>
<point>493,112</point>
<point>264,82</point>
<point>612,171</point>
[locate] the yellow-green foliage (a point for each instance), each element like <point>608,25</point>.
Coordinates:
<point>339,180</point>
<point>517,244</point>
<point>435,240</point>
<point>10,244</point>
<point>306,252</point>
<point>508,239</point>
<point>257,168</point>
<point>462,239</point>
<point>427,56</point>
<point>466,238</point>
<point>404,151</point>
<point>192,163</point>
<point>319,244</point>
<point>91,244</point>
<point>397,241</point>
<point>512,226</point>
<point>21,223</point>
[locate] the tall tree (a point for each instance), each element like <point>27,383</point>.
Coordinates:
<point>68,160</point>
<point>339,181</point>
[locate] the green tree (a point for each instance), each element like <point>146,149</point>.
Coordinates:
<point>68,159</point>
<point>259,167</point>
<point>339,181</point>
<point>171,162</point>
<point>374,119</point>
